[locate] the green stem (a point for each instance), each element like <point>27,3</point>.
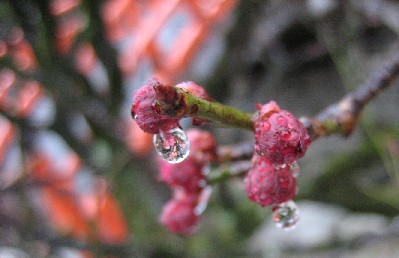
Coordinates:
<point>221,176</point>
<point>178,103</point>
<point>217,112</point>
<point>222,173</point>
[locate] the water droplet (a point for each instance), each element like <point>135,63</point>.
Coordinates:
<point>286,215</point>
<point>202,183</point>
<point>173,145</point>
<point>134,115</point>
<point>206,170</point>
<point>203,200</point>
<point>280,120</point>
<point>294,169</point>
<point>279,166</point>
<point>266,126</point>
<point>285,135</point>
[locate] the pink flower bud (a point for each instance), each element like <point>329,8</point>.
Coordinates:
<point>143,110</point>
<point>202,145</point>
<point>267,185</point>
<point>198,91</point>
<point>279,136</point>
<point>187,174</point>
<point>194,89</point>
<point>178,215</point>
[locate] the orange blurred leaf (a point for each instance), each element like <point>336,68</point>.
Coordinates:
<point>64,213</point>
<point>111,224</point>
<point>138,141</point>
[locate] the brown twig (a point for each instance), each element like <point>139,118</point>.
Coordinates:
<point>343,116</point>
<point>236,169</point>
<point>234,152</point>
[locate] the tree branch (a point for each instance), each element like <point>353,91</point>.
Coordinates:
<point>235,152</point>
<point>343,116</point>
<point>338,118</point>
<point>105,52</point>
<point>236,169</point>
<point>177,102</point>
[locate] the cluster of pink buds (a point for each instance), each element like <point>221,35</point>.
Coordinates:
<point>280,139</point>
<point>188,182</point>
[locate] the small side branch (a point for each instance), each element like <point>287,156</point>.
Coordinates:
<point>235,152</point>
<point>342,117</point>
<point>339,118</point>
<point>236,169</point>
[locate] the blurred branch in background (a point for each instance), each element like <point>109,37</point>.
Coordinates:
<point>66,77</point>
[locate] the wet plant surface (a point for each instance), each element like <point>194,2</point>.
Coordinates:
<point>79,179</point>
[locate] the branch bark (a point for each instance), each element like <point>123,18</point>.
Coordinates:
<point>343,116</point>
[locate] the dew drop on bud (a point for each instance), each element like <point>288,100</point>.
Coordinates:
<point>266,126</point>
<point>286,215</point>
<point>294,169</point>
<point>285,135</point>
<point>206,169</point>
<point>279,166</point>
<point>280,120</point>
<point>173,145</point>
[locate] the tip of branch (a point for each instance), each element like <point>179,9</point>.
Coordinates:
<point>170,101</point>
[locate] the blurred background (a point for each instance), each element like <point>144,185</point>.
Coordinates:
<point>78,178</point>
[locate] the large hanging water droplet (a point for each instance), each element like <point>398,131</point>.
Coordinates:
<point>173,145</point>
<point>286,215</point>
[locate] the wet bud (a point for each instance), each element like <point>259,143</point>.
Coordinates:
<point>279,136</point>
<point>194,89</point>
<point>266,184</point>
<point>197,91</point>
<point>144,110</point>
<point>179,215</point>
<point>187,174</point>
<point>202,145</point>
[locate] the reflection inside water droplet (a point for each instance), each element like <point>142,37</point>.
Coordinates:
<point>286,215</point>
<point>173,145</point>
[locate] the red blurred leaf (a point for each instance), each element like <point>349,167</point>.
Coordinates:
<point>7,80</point>
<point>21,51</point>
<point>138,141</point>
<point>64,213</point>
<point>111,224</point>
<point>85,60</point>
<point>59,7</point>
<point>27,98</point>
<point>6,137</point>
